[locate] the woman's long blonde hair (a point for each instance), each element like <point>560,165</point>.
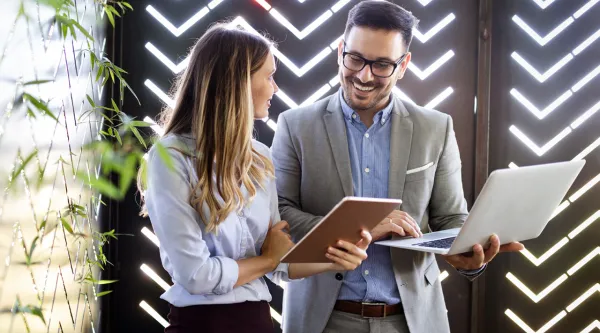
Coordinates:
<point>213,102</point>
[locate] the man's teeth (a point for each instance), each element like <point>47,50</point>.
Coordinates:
<point>362,88</point>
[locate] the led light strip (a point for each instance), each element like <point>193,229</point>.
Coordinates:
<point>564,133</point>
<point>311,27</point>
<point>556,31</point>
<point>570,308</point>
<point>594,253</point>
<point>150,310</point>
<point>178,31</point>
<point>313,98</point>
<point>560,64</point>
<point>432,68</point>
<point>543,4</point>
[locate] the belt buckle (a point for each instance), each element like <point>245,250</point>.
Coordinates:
<point>362,309</point>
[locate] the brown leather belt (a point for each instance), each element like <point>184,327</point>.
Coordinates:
<point>369,310</point>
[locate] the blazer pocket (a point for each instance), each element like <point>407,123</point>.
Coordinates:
<point>432,273</point>
<point>420,172</point>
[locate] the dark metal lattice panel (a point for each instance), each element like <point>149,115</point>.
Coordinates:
<point>545,109</point>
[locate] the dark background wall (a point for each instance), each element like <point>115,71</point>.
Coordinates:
<point>154,39</point>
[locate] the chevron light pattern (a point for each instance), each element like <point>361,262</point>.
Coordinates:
<point>319,23</point>
<point>579,92</point>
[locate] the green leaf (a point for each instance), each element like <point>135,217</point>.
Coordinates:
<point>164,155</point>
<point>139,123</point>
<point>115,107</point>
<point>34,310</point>
<point>101,184</point>
<point>33,245</point>
<point>30,113</point>
<point>91,101</point>
<point>127,173</point>
<point>126,4</point>
<point>83,30</point>
<point>104,293</point>
<point>113,10</point>
<point>138,136</point>
<point>24,163</point>
<point>37,82</point>
<point>118,136</point>
<point>92,280</point>
<point>39,105</point>
<point>110,17</point>
<point>66,225</point>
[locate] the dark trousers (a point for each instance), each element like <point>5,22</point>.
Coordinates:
<point>250,317</point>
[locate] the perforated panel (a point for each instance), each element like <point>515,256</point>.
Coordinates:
<point>546,110</point>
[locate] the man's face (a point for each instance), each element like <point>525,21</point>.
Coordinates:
<point>364,91</point>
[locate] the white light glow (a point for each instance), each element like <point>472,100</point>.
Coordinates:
<point>286,99</point>
<point>542,40</point>
<point>529,293</point>
<point>595,324</point>
<point>424,2</point>
<point>156,90</point>
<point>432,68</point>
<point>339,5</point>
<point>586,115</point>
<point>306,31</point>
<point>276,316</point>
<point>538,261</point>
<point>271,124</point>
<point>177,31</point>
<point>584,261</point>
<point>157,129</point>
<point>543,3</point>
<point>585,8</point>
<point>587,150</point>
<point>585,188</point>
<point>533,109</point>
<point>582,298</point>
<point>586,79</point>
<point>539,150</point>
<point>534,72</point>
<point>528,329</point>
<point>152,274</point>
<point>318,94</point>
<point>444,275</point>
<point>151,236</point>
<point>586,43</point>
<point>584,225</point>
<point>560,208</point>
<point>439,98</point>
<point>433,31</point>
<point>402,95</point>
<point>176,69</point>
<point>211,5</point>
<point>154,314</point>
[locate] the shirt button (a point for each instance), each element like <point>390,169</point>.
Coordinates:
<point>367,170</point>
<point>354,116</point>
<point>339,277</point>
<point>367,272</point>
<point>367,135</point>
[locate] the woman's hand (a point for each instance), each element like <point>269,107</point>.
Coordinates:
<point>277,242</point>
<point>348,256</point>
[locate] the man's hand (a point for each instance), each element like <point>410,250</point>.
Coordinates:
<point>397,222</point>
<point>480,257</point>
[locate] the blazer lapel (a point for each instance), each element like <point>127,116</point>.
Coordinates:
<point>400,142</point>
<point>336,132</point>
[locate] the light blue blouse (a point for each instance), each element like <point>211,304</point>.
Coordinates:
<point>203,265</point>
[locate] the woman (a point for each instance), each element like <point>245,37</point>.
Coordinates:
<point>214,208</point>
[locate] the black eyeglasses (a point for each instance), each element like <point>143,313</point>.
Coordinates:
<point>379,68</point>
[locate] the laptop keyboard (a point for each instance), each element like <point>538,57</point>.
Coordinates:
<point>443,243</point>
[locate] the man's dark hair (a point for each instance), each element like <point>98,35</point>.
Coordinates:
<point>382,15</point>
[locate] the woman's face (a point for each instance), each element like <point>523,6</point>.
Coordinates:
<point>263,87</point>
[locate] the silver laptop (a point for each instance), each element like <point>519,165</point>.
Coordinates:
<point>515,204</point>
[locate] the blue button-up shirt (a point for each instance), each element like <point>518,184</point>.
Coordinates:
<point>373,280</point>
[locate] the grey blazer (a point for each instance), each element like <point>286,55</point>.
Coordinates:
<point>312,165</point>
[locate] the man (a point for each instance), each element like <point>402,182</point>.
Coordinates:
<point>363,141</point>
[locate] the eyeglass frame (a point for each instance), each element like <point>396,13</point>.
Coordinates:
<point>371,62</point>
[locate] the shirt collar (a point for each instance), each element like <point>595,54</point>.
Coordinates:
<point>382,115</point>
